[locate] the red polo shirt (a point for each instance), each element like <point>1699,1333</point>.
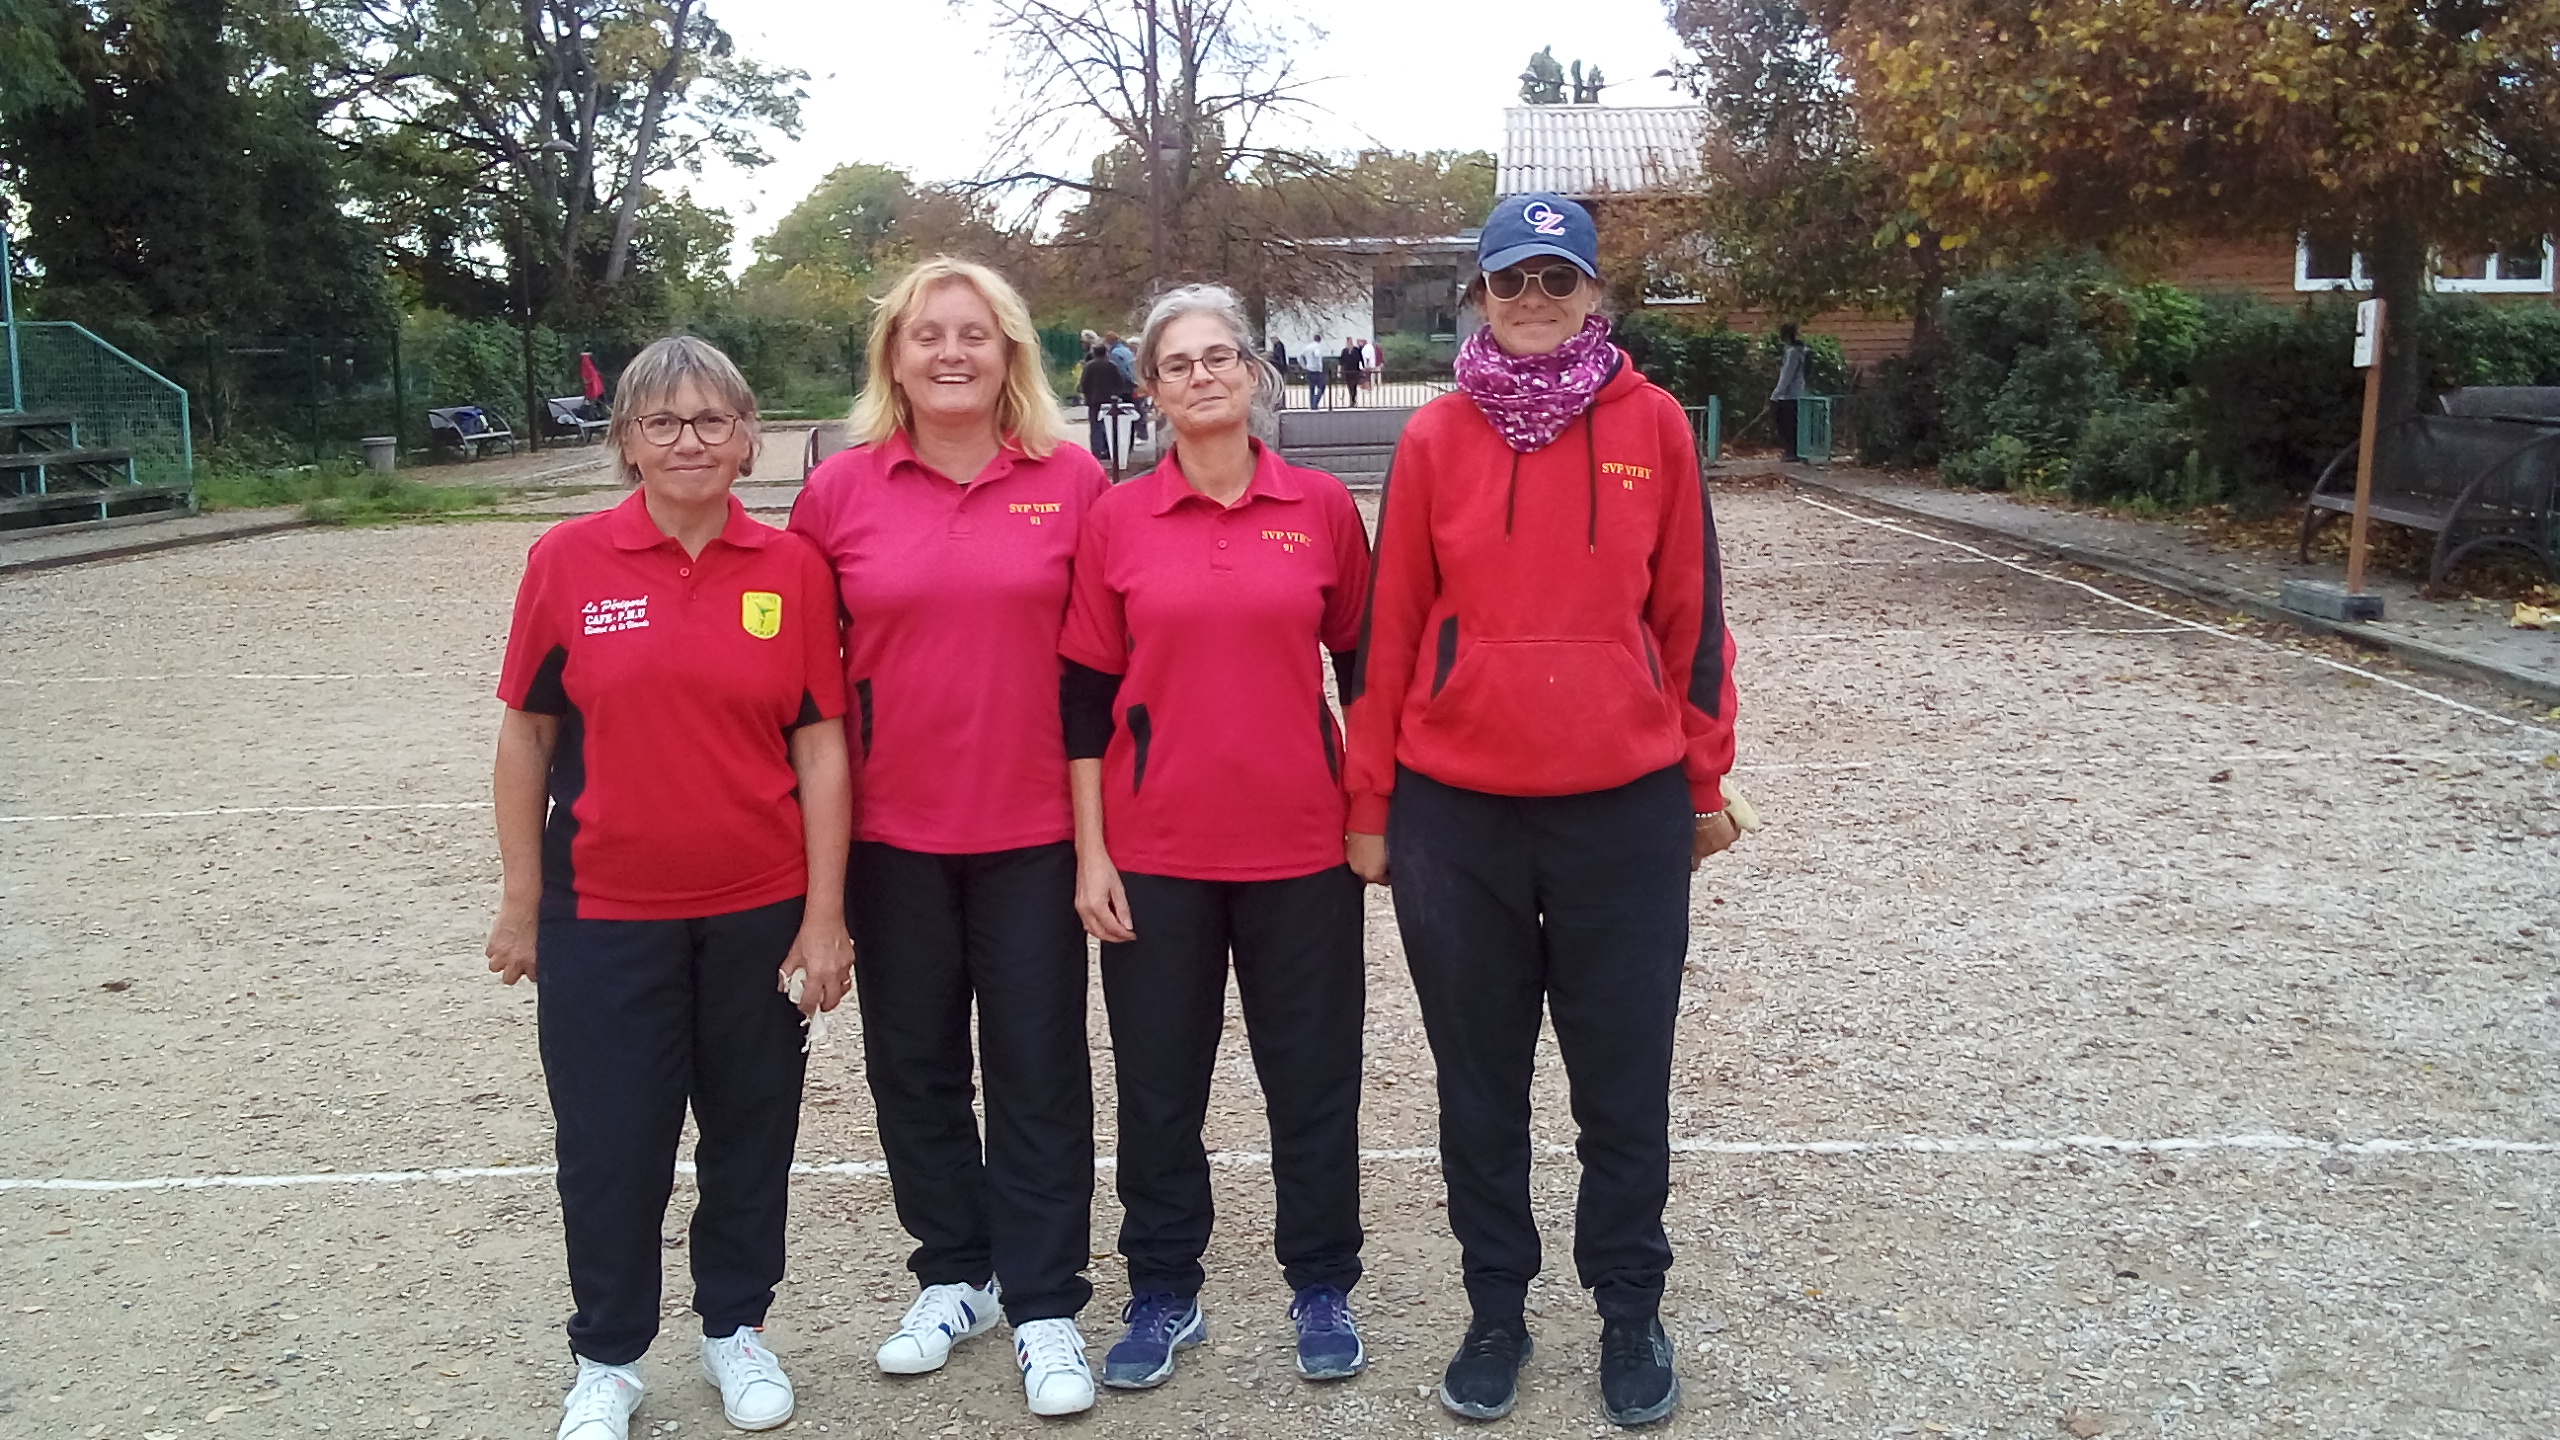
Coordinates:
<point>678,680</point>
<point>1225,762</point>
<point>953,593</point>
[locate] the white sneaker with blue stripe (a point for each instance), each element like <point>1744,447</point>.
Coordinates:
<point>941,1316</point>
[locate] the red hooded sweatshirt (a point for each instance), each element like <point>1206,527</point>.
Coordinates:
<point>1549,623</point>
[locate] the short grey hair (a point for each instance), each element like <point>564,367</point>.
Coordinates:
<point>1222,303</point>
<point>653,377</point>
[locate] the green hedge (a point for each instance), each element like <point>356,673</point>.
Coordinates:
<point>1695,362</point>
<point>2063,375</point>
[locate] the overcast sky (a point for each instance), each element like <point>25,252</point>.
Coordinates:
<point>914,83</point>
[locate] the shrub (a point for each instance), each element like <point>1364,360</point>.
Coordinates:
<point>2136,450</point>
<point>1416,357</point>
<point>2024,357</point>
<point>2470,341</point>
<point>1894,413</point>
<point>2163,326</point>
<point>2004,462</point>
<point>2269,395</point>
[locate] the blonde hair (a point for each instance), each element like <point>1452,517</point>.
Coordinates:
<point>1223,305</point>
<point>653,377</point>
<point>1026,411</point>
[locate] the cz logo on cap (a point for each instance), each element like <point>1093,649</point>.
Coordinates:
<point>760,611</point>
<point>1543,218</point>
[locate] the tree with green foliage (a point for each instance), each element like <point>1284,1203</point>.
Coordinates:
<point>174,176</point>
<point>1797,217</point>
<point>2413,128</point>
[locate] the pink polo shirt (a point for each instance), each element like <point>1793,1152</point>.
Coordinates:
<point>952,596</point>
<point>1225,762</point>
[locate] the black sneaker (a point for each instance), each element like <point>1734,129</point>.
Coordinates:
<point>1636,1383</point>
<point>1484,1380</point>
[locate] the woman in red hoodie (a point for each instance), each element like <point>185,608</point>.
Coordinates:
<point>1538,739</point>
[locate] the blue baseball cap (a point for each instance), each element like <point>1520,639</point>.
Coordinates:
<point>1538,224</point>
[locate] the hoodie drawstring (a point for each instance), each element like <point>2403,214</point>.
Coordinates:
<point>1591,461</point>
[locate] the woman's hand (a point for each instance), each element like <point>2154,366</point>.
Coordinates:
<point>1102,902</point>
<point>1367,856</point>
<point>822,954</point>
<point>510,948</point>
<point>1714,833</point>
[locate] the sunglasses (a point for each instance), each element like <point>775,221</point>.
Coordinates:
<point>1558,280</point>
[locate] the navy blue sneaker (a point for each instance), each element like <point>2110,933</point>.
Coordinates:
<point>1328,1339</point>
<point>1160,1323</point>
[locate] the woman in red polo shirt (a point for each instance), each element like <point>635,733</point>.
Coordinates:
<point>1209,822</point>
<point>951,526</point>
<point>673,694</point>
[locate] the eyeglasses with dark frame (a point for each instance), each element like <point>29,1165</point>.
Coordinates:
<point>711,427</point>
<point>1217,360</point>
<point>1558,280</point>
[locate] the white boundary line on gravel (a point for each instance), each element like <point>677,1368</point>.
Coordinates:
<point>2180,621</point>
<point>1259,1159</point>
<point>247,810</point>
<point>1997,762</point>
<point>245,675</point>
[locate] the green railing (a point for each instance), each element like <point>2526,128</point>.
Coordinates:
<point>1706,429</point>
<point>118,402</point>
<point>1813,429</point>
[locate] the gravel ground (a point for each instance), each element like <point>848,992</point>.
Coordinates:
<point>2096,1042</point>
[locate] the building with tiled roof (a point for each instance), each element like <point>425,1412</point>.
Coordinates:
<point>1588,151</point>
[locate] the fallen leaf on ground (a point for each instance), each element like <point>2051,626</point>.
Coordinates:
<point>2084,1424</point>
<point>2532,617</point>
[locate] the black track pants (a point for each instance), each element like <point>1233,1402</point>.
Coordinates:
<point>933,934</point>
<point>638,1018</point>
<point>1299,972</point>
<point>1577,905</point>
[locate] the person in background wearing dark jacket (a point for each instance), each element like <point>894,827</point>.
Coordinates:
<point>1538,738</point>
<point>1789,390</point>
<point>1209,822</point>
<point>1098,385</point>
<point>1280,367</point>
<point>1354,361</point>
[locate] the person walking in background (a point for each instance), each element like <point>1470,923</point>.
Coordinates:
<point>1315,373</point>
<point>1099,384</point>
<point>1790,389</point>
<point>1354,362</point>
<point>1127,362</point>
<point>952,528</point>
<point>1209,820</point>
<point>1371,361</point>
<point>1540,727</point>
<point>1280,367</point>
<point>672,812</point>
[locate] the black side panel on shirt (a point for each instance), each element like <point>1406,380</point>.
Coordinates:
<point>560,831</point>
<point>1356,684</point>
<point>1332,742</point>
<point>1346,673</point>
<point>808,712</point>
<point>1084,709</point>
<point>1445,658</point>
<point>1706,672</point>
<point>1143,731</point>
<point>546,695</point>
<point>862,699</point>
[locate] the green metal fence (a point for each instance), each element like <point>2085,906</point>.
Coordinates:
<point>1813,429</point>
<point>119,402</point>
<point>1706,429</point>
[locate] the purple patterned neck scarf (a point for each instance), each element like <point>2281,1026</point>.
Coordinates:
<point>1529,399</point>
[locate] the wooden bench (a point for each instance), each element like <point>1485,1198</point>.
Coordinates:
<point>2471,481</point>
<point>467,428</point>
<point>1354,444</point>
<point>2526,404</point>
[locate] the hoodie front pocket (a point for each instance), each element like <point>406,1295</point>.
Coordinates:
<point>1578,708</point>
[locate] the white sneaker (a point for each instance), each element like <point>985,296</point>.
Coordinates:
<point>941,1315</point>
<point>754,1393</point>
<point>599,1406</point>
<point>1055,1378</point>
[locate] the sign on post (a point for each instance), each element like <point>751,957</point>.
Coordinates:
<point>2368,334</point>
